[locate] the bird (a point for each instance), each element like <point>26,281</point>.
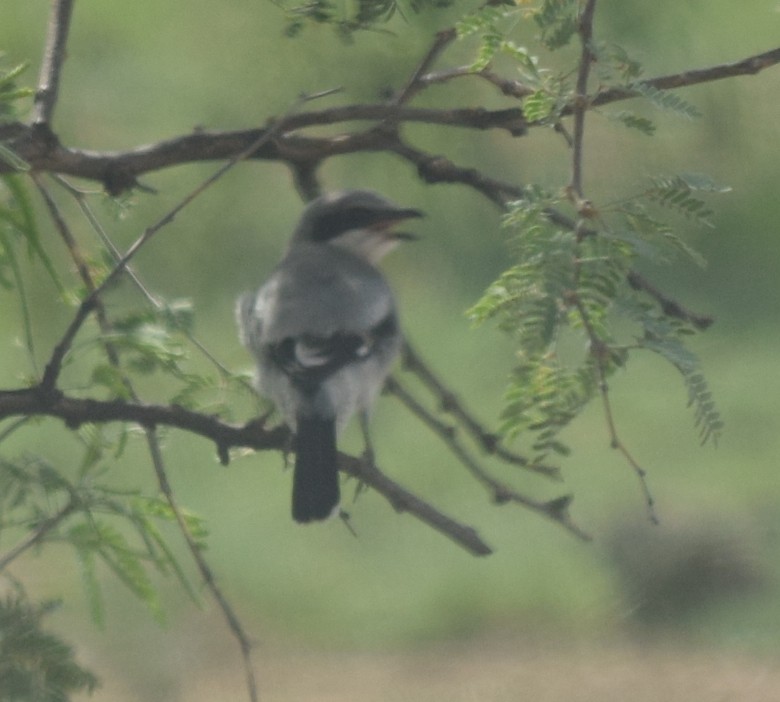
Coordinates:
<point>324,331</point>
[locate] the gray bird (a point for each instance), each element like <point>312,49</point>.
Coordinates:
<point>324,332</point>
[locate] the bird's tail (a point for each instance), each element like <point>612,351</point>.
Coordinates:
<point>315,480</point>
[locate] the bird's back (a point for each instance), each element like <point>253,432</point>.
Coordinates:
<point>321,290</point>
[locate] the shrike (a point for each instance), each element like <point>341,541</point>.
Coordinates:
<point>324,332</point>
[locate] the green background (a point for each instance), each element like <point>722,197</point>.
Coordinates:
<point>145,71</point>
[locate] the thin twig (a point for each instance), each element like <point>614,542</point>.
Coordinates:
<point>744,67</point>
<point>233,622</point>
<point>155,451</point>
<point>508,86</point>
<point>49,379</point>
<point>37,534</point>
<point>14,426</point>
<point>52,371</point>
<point>449,402</point>
<point>617,443</point>
<point>151,298</point>
<point>414,84</point>
<point>670,307</point>
<point>500,492</point>
<point>404,501</point>
<point>600,352</point>
<point>53,57</point>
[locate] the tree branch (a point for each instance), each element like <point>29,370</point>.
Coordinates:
<point>581,102</point>
<point>414,84</point>
<point>747,66</point>
<point>668,306</point>
<point>76,411</point>
<point>34,536</point>
<point>51,68</point>
<point>404,501</point>
<point>118,171</point>
<point>500,492</point>
<point>488,441</point>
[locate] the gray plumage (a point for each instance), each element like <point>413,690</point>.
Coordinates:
<point>324,332</point>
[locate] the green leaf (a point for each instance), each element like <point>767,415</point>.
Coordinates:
<point>665,100</point>
<point>677,193</point>
<point>9,92</point>
<point>112,378</point>
<point>538,106</point>
<point>557,20</point>
<point>632,121</point>
<point>36,665</point>
<point>89,579</point>
<point>20,216</point>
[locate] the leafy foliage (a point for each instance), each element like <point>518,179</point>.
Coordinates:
<point>121,530</point>
<point>565,299</point>
<point>35,665</point>
<point>10,92</point>
<point>566,294</point>
<point>557,20</point>
<point>664,336</point>
<point>350,18</point>
<point>568,291</point>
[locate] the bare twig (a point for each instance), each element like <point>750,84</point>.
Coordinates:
<point>585,28</point>
<point>439,169</point>
<point>53,58</point>
<point>670,307</point>
<point>51,371</point>
<point>90,302</point>
<point>449,402</point>
<point>233,622</point>
<point>414,83</point>
<point>155,451</point>
<point>744,67</point>
<point>37,534</point>
<point>600,353</point>
<point>508,86</point>
<point>405,501</point>
<point>500,492</point>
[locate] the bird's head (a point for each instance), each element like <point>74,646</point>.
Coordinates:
<point>360,221</point>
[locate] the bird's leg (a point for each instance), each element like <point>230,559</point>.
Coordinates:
<point>367,458</point>
<point>368,451</point>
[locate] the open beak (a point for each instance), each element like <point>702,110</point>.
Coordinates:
<point>395,217</point>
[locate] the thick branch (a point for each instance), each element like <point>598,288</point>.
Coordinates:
<point>434,168</point>
<point>118,170</point>
<point>75,412</point>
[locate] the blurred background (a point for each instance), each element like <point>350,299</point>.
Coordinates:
<point>686,610</point>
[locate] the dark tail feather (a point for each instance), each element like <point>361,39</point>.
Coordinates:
<point>315,480</point>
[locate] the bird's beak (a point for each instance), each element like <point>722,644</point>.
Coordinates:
<point>398,216</point>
